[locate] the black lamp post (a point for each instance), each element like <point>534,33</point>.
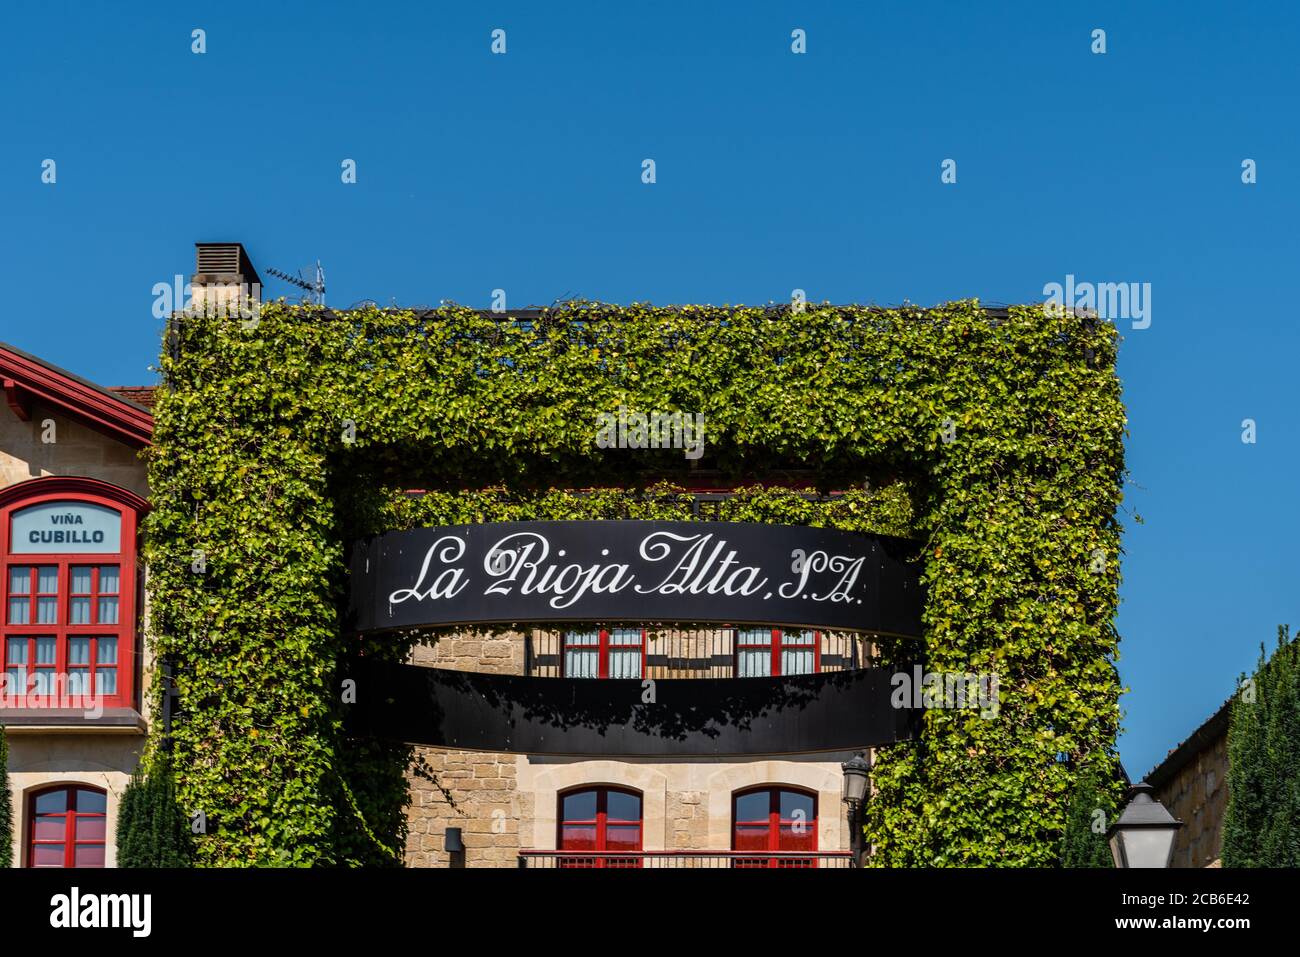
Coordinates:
<point>1143,835</point>
<point>857,771</point>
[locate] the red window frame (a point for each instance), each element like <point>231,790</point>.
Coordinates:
<point>602,647</point>
<point>774,822</point>
<point>775,643</point>
<point>591,858</point>
<point>79,491</point>
<point>70,816</point>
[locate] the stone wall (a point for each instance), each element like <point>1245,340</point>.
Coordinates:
<point>76,450</point>
<point>1197,794</point>
<point>472,790</point>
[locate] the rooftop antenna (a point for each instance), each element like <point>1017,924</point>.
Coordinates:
<point>314,287</point>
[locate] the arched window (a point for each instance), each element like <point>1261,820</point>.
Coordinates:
<point>68,582</point>
<point>761,652</point>
<point>596,820</point>
<point>67,827</point>
<point>605,653</point>
<point>773,819</point>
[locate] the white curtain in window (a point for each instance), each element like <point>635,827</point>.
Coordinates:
<point>796,661</point>
<point>582,654</point>
<point>754,662</point>
<point>625,662</point>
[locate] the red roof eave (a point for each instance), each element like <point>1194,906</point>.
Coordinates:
<point>26,379</point>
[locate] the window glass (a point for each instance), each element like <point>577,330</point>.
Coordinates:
<point>48,580</point>
<point>753,652</point>
<point>797,661</point>
<point>754,662</point>
<point>579,837</point>
<point>81,579</point>
<point>16,651</point>
<point>597,821</point>
<point>46,648</point>
<point>90,855</point>
<point>624,663</point>
<point>106,681</point>
<point>793,828</point>
<point>49,827</point>
<point>69,828</point>
<point>48,855</point>
<point>52,802</point>
<point>108,580</point>
<point>78,651</point>
<point>582,654</point>
<point>79,609</point>
<point>796,802</point>
<point>623,806</point>
<point>91,802</point>
<point>20,611</point>
<point>625,653</point>
<point>754,806</point>
<point>580,806</point>
<point>89,828</point>
<point>15,666</point>
<point>108,611</point>
<point>622,838</point>
<point>78,666</point>
<point>19,591</point>
<point>20,580</point>
<point>47,611</point>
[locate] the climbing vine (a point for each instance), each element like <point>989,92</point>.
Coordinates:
<point>993,440</point>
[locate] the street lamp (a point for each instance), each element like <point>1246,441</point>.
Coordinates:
<point>856,773</point>
<point>1143,836</point>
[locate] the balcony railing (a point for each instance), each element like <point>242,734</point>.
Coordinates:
<point>705,653</point>
<point>685,859</point>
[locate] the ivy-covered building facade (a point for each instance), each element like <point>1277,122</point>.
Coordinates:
<point>626,586</point>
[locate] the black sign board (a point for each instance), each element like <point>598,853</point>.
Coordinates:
<point>696,572</point>
<point>799,714</point>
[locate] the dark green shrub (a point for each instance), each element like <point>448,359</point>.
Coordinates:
<point>1261,826</point>
<point>152,829</point>
<point>6,806</point>
<point>1084,841</point>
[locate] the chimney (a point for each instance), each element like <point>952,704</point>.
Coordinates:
<point>224,280</point>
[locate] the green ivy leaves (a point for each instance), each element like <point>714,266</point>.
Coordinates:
<point>994,440</point>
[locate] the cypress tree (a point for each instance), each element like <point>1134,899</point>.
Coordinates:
<point>152,830</point>
<point>1082,845</point>
<point>129,838</point>
<point>6,805</point>
<point>1261,826</point>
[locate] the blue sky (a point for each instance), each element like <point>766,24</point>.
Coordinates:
<point>775,171</point>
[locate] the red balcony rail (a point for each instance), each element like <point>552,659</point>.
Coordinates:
<point>685,859</point>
